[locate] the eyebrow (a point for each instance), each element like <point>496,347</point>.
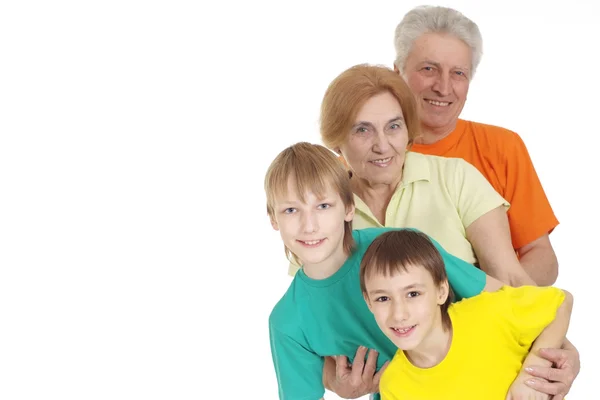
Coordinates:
<point>296,202</point>
<point>438,65</point>
<point>407,287</point>
<point>367,123</point>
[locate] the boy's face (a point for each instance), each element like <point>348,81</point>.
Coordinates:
<point>406,306</point>
<point>314,229</point>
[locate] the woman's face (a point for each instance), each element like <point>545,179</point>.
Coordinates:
<point>376,145</point>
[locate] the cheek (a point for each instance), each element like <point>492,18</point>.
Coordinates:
<point>287,229</point>
<point>355,149</point>
<point>461,89</point>
<point>380,314</point>
<point>417,83</point>
<point>400,140</point>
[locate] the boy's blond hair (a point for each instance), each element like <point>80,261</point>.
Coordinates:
<point>314,168</point>
<point>394,251</point>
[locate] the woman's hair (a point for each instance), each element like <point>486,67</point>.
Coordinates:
<point>441,20</point>
<point>346,95</point>
<point>314,169</point>
<point>394,251</point>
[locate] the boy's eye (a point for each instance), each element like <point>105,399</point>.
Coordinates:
<point>324,206</point>
<point>289,210</point>
<point>381,299</point>
<point>413,294</point>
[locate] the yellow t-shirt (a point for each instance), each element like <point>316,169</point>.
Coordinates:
<point>492,335</point>
<point>439,196</point>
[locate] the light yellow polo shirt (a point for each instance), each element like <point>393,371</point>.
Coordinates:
<point>439,196</point>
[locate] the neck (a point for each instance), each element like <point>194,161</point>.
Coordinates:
<point>328,267</point>
<point>374,192</point>
<point>432,135</point>
<point>433,349</point>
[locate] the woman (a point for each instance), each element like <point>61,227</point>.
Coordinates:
<point>369,117</point>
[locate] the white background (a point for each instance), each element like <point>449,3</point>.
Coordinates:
<point>136,257</point>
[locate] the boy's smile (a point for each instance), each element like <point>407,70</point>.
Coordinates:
<point>311,243</point>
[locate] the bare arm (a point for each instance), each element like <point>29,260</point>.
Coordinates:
<point>539,261</point>
<point>490,237</point>
<point>492,284</point>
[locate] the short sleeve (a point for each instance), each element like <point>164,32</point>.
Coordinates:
<point>532,309</point>
<point>472,194</point>
<point>465,279</point>
<point>530,215</point>
<point>299,371</point>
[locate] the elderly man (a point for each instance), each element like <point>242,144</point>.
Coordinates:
<point>438,50</point>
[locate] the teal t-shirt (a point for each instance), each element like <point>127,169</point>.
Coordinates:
<point>329,317</point>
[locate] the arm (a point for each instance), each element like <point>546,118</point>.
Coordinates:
<point>530,216</point>
<point>539,261</point>
<point>492,284</point>
<point>490,236</point>
<point>483,214</point>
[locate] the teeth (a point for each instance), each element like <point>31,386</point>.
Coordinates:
<point>381,161</point>
<point>311,242</point>
<point>438,103</point>
<point>403,330</point>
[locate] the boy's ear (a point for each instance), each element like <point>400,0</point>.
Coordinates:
<point>350,213</point>
<point>273,223</point>
<point>443,293</point>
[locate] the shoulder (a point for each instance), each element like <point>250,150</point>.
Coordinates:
<point>492,131</point>
<point>285,312</point>
<point>493,136</point>
<point>437,166</point>
<point>364,237</point>
<point>395,369</point>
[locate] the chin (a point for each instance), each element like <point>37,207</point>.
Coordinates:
<point>406,346</point>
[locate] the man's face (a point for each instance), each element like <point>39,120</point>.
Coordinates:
<point>438,70</point>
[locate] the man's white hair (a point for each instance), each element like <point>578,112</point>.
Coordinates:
<point>430,19</point>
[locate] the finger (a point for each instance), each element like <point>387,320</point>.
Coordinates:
<point>370,366</point>
<point>341,366</point>
<point>358,363</point>
<point>553,355</point>
<point>548,373</point>
<point>551,388</point>
<point>558,397</point>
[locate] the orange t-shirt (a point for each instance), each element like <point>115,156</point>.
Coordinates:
<point>501,156</point>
